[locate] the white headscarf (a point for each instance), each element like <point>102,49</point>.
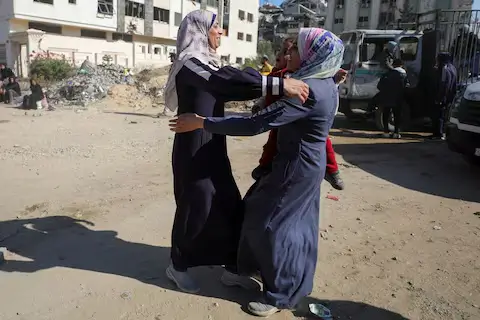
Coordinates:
<point>192,42</point>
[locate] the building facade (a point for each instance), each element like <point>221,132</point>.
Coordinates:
<point>381,14</point>
<point>136,33</point>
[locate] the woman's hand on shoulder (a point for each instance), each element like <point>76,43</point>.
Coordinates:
<point>186,122</point>
<point>296,89</point>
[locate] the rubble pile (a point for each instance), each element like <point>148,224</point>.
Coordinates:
<point>89,84</point>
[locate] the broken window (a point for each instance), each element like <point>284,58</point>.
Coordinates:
<point>160,14</point>
<point>134,9</point>
<point>105,7</point>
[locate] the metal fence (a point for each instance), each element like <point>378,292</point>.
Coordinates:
<point>456,32</point>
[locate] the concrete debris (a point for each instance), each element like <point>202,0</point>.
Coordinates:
<point>88,85</point>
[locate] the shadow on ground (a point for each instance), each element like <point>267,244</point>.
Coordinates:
<point>61,241</point>
<point>426,166</point>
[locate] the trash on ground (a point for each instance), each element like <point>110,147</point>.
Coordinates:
<point>437,228</point>
<point>332,197</point>
<point>320,311</point>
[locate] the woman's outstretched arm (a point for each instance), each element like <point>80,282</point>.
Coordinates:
<point>277,114</point>
<point>231,84</point>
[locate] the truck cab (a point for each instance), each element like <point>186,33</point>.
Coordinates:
<point>363,51</point>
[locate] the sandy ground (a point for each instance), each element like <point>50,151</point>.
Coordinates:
<point>86,209</point>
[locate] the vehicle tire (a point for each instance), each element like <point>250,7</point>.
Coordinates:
<point>472,160</point>
<point>406,118</point>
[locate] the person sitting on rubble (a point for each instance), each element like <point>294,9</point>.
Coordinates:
<point>5,73</point>
<point>11,90</point>
<point>34,100</point>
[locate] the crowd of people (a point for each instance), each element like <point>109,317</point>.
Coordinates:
<point>393,90</point>
<point>273,231</point>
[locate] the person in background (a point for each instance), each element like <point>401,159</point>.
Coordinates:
<point>391,97</point>
<point>37,95</point>
<point>5,73</point>
<point>390,54</point>
<point>266,67</point>
<point>281,61</point>
<point>11,89</point>
<point>445,82</point>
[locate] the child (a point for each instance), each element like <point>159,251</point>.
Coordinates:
<point>270,148</point>
<point>391,96</point>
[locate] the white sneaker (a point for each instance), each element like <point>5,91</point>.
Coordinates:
<point>261,309</point>
<point>183,281</point>
<point>234,280</point>
<point>397,136</point>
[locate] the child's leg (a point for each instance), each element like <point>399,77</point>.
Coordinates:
<point>332,166</point>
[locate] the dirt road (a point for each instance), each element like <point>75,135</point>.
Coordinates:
<point>86,209</point>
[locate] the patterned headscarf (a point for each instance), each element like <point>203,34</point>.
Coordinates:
<point>192,42</point>
<point>321,53</point>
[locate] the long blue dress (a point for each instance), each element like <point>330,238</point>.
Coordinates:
<point>209,214</point>
<point>280,231</point>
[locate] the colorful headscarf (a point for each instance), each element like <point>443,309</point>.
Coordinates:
<point>321,53</point>
<point>192,42</point>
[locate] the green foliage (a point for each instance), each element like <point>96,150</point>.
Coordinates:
<point>50,69</point>
<point>263,48</point>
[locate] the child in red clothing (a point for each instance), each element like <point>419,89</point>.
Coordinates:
<point>332,174</point>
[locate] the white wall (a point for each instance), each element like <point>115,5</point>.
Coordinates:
<point>241,48</point>
<point>82,14</point>
<point>6,12</point>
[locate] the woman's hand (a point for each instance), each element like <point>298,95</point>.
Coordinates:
<point>341,76</point>
<point>186,122</point>
<point>296,89</point>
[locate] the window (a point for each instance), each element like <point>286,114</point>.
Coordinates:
<point>249,38</point>
<point>72,1</point>
<point>178,19</point>
<point>143,48</point>
<point>408,48</point>
<point>371,49</point>
<point>134,9</point>
<point>240,36</point>
<point>48,28</point>
<point>162,15</point>
<point>105,7</point>
<point>241,14</point>
<point>250,17</point>
<point>44,1</point>
<point>365,3</point>
<point>93,34</point>
<point>350,42</point>
<point>212,3</point>
<point>362,19</point>
<point>122,36</point>
<point>340,4</point>
<point>239,60</point>
<point>386,18</point>
<point>338,20</point>
<point>157,50</point>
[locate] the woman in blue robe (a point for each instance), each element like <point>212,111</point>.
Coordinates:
<point>209,214</point>
<point>280,230</point>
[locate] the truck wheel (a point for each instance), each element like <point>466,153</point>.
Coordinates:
<point>405,118</point>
